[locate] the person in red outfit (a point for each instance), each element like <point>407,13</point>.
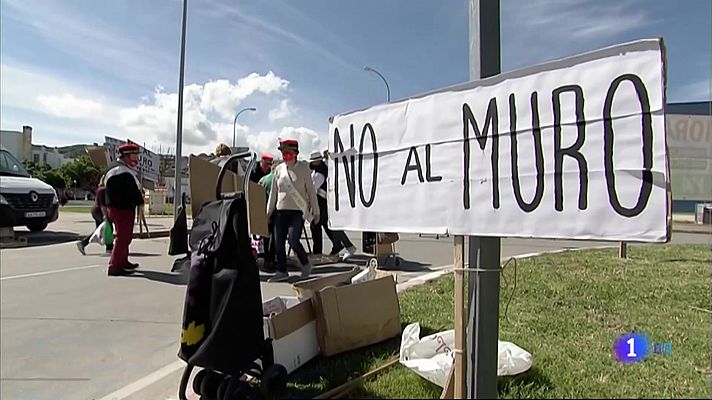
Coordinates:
<point>123,195</point>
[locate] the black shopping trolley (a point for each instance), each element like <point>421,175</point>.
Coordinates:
<point>222,328</point>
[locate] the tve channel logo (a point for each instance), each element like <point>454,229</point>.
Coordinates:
<point>636,347</point>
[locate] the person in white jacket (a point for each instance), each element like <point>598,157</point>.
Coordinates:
<point>292,200</point>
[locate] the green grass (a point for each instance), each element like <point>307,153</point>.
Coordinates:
<point>567,311</point>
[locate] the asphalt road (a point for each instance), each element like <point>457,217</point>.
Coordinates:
<point>67,331</point>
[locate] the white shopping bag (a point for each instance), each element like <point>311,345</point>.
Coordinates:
<point>432,356</point>
<point>98,235</point>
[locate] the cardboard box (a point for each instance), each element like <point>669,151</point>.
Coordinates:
<point>203,178</point>
<point>293,331</point>
<point>351,316</point>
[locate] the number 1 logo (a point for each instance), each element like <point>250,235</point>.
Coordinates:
<point>631,347</point>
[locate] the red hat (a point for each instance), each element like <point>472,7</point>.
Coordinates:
<point>267,156</point>
<point>289,144</point>
<point>128,148</point>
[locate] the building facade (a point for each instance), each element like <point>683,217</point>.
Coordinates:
<point>19,143</point>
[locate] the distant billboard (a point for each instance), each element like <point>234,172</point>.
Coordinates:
<point>690,152</point>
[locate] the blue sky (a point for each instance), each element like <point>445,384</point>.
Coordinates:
<point>76,70</point>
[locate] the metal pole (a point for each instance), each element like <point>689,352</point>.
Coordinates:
<point>388,88</point>
<point>234,122</point>
<point>368,237</point>
<point>179,134</point>
<point>484,252</point>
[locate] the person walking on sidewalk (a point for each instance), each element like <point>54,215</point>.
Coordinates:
<point>100,213</point>
<point>292,199</point>
<point>123,195</point>
<point>339,240</point>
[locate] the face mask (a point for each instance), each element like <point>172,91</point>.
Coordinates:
<point>132,163</point>
<point>288,157</point>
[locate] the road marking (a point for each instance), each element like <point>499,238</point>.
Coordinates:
<point>56,271</point>
<point>144,382</point>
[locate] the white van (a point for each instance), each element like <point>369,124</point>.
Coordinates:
<point>24,200</point>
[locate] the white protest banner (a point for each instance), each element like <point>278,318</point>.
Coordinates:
<point>148,161</point>
<point>573,148</point>
<point>112,148</point>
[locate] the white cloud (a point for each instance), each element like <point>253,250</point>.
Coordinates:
<point>282,112</point>
<point>268,141</point>
<point>69,106</point>
<point>64,109</point>
<point>224,97</point>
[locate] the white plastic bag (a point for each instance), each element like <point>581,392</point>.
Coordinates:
<point>98,235</point>
<point>432,356</point>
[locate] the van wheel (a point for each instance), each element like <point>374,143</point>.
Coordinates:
<point>39,227</point>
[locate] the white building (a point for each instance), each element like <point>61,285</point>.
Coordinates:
<point>20,145</point>
<point>48,155</point>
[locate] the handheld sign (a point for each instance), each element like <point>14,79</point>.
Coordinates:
<point>574,148</point>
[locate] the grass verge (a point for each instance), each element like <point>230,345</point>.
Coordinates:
<point>567,311</point>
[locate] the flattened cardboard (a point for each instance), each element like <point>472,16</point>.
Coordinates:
<point>97,154</point>
<point>306,289</point>
<point>293,332</point>
<point>291,319</point>
<point>203,177</point>
<point>351,316</point>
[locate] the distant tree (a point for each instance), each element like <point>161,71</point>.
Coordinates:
<point>82,171</point>
<point>55,179</point>
<point>38,171</point>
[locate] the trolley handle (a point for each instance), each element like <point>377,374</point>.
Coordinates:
<point>225,167</point>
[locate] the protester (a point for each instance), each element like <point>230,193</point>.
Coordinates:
<point>262,168</point>
<point>123,195</point>
<point>268,242</point>
<point>100,214</point>
<point>339,240</point>
<point>292,199</point>
<point>222,153</point>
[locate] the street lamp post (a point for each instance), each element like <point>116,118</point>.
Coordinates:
<point>369,238</point>
<point>388,88</point>
<point>179,130</point>
<point>75,189</point>
<point>234,122</point>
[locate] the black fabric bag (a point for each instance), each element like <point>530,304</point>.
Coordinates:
<point>178,243</point>
<point>222,328</point>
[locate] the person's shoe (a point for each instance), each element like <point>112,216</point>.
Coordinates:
<point>269,267</point>
<point>80,247</point>
<point>335,252</point>
<point>279,277</point>
<point>350,251</point>
<point>306,270</point>
<point>119,272</point>
<point>130,266</point>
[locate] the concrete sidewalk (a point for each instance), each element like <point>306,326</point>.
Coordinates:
<point>158,226</point>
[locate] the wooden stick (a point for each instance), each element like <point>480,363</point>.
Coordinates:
<point>448,390</point>
<point>623,250</point>
<point>459,366</point>
<point>352,384</point>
